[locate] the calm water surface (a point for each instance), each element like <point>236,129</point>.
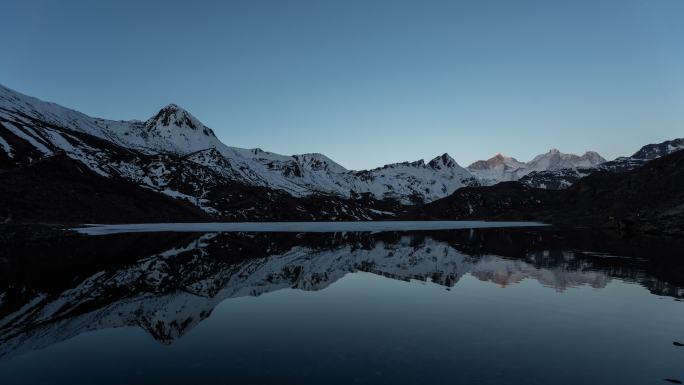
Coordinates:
<point>299,227</point>
<point>478,306</point>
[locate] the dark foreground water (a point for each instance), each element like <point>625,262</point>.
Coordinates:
<point>485,306</point>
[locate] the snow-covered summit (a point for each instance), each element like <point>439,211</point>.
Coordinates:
<point>497,161</point>
<point>501,168</point>
<point>498,168</point>
<point>436,179</point>
<point>174,129</point>
<point>173,116</point>
<point>556,160</point>
<point>593,157</point>
<point>443,161</point>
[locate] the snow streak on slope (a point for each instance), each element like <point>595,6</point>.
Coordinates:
<point>6,147</point>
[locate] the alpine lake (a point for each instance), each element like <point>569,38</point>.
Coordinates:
<point>340,303</point>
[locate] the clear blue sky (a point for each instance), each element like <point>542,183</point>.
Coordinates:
<point>366,82</point>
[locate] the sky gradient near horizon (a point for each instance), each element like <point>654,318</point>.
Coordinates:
<point>366,82</point>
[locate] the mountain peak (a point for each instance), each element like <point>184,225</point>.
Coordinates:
<point>594,157</point>
<point>499,160</point>
<point>173,106</point>
<point>443,161</point>
<point>172,115</point>
<point>170,110</point>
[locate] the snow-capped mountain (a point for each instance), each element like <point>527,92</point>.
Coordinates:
<point>556,179</point>
<point>645,154</point>
<point>151,153</point>
<point>175,130</point>
<point>556,160</point>
<point>502,169</point>
<point>498,168</point>
<point>417,180</point>
<point>173,153</point>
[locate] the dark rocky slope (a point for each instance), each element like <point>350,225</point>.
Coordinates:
<point>61,190</point>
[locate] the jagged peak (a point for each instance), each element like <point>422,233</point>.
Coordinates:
<point>417,163</point>
<point>552,153</point>
<point>170,110</point>
<point>498,160</point>
<point>593,156</point>
<point>443,161</point>
<point>501,158</point>
<point>172,115</point>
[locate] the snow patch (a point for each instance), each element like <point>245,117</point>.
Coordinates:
<point>6,146</point>
<point>18,132</point>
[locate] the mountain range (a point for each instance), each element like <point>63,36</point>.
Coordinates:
<point>151,154</point>
<point>57,164</point>
<point>502,168</point>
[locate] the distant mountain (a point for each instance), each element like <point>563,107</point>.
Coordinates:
<point>555,179</point>
<point>502,169</point>
<point>556,160</point>
<point>417,180</point>
<point>647,199</point>
<point>565,177</point>
<point>645,154</point>
<point>496,169</point>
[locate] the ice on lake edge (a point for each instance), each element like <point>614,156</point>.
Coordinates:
<point>296,227</point>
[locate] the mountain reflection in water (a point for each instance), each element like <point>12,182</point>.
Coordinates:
<point>56,288</point>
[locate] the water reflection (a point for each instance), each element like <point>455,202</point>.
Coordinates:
<point>56,288</point>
